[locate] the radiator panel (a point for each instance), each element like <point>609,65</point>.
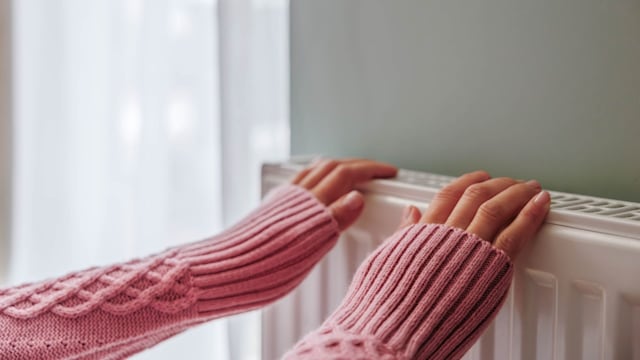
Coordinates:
<point>576,289</point>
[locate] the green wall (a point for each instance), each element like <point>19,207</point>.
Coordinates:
<point>529,89</point>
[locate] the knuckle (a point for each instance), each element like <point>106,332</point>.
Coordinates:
<point>330,163</point>
<point>343,171</point>
<point>491,211</point>
<point>477,192</point>
<point>449,193</point>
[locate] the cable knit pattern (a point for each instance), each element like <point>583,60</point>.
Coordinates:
<point>115,311</point>
<point>427,293</point>
<point>160,282</point>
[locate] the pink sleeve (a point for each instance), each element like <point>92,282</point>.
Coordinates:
<point>112,312</point>
<point>427,293</point>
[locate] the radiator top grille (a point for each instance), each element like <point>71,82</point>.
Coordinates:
<point>559,201</point>
<point>615,217</point>
<point>598,207</point>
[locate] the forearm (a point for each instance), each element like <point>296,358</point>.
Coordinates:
<point>127,307</point>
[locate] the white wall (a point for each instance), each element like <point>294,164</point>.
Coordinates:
<point>531,89</point>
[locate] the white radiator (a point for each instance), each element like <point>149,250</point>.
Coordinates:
<point>576,293</point>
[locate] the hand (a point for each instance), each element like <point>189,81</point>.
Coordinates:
<point>332,182</point>
<point>503,211</point>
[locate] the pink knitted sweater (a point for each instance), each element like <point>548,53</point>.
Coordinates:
<point>428,292</point>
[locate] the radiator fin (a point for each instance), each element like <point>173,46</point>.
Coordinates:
<point>586,321</point>
<point>540,308</point>
<point>629,328</point>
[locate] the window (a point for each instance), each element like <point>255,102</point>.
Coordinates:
<point>139,125</point>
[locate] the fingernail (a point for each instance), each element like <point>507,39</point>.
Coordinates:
<point>353,201</point>
<point>542,198</point>
<point>534,184</point>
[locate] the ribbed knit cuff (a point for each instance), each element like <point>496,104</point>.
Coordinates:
<point>427,293</point>
<point>263,257</point>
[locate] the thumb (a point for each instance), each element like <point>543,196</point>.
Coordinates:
<point>346,209</point>
<point>410,216</point>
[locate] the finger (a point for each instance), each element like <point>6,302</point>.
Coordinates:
<point>365,170</point>
<point>410,216</point>
<point>345,176</point>
<point>500,210</point>
<point>300,175</point>
<point>525,225</point>
<point>474,196</point>
<point>347,209</point>
<point>304,173</point>
<point>353,159</point>
<point>317,173</point>
<point>447,198</point>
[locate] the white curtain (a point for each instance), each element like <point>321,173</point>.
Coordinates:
<point>138,125</point>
